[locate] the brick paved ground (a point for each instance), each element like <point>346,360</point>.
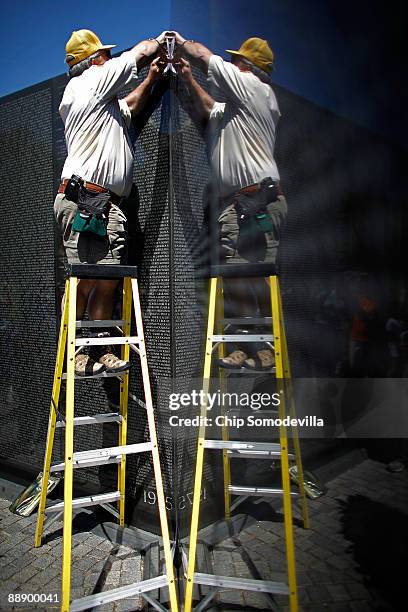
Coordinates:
<point>97,564</point>
<point>353,559</point>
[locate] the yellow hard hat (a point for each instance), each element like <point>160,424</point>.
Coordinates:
<point>257,51</point>
<point>81,45</point>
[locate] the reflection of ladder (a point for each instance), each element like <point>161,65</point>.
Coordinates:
<point>234,449</point>
<point>105,456</point>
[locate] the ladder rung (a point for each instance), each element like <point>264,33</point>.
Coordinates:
<point>238,445</point>
<point>107,340</point>
<point>245,584</point>
<point>242,338</point>
<point>237,449</point>
<point>244,371</point>
<point>102,375</point>
<point>101,323</point>
<point>255,454</point>
<point>120,593</point>
<point>257,491</point>
<point>85,463</point>
<point>111,417</point>
<point>103,456</point>
<point>90,500</point>
<point>247,321</point>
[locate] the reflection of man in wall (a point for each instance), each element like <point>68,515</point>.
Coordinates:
<point>243,114</point>
<point>100,156</point>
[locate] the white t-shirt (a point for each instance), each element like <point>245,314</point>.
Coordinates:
<point>98,143</point>
<point>242,127</point>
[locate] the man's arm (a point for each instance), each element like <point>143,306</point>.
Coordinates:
<point>144,50</point>
<point>137,98</point>
<point>203,102</point>
<point>120,71</point>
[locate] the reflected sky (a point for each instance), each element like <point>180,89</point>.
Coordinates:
<point>346,56</point>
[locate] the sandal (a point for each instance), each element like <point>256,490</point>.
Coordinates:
<point>234,360</point>
<point>264,360</point>
<point>86,366</point>
<point>105,356</point>
<point>111,362</point>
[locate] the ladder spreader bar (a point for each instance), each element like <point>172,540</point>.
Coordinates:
<point>245,584</point>
<point>120,593</point>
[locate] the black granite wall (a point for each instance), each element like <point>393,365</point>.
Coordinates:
<point>346,216</point>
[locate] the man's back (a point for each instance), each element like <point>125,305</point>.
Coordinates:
<point>99,148</point>
<point>242,127</point>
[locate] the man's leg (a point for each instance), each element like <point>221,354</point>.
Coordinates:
<point>85,287</point>
<point>100,307</point>
<point>235,292</point>
<point>101,299</point>
<point>263,357</point>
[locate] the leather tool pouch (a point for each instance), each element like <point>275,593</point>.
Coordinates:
<point>254,220</point>
<point>71,190</point>
<point>253,205</point>
<point>93,211</point>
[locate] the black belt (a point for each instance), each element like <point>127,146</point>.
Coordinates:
<point>115,199</point>
<point>256,187</point>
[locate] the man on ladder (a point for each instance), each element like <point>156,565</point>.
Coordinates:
<point>243,114</point>
<point>97,173</point>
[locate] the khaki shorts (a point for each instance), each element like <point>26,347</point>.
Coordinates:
<point>259,246</point>
<point>84,247</point>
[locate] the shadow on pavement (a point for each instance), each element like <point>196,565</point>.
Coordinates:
<point>379,543</point>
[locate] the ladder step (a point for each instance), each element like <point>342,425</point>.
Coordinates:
<point>245,584</point>
<point>246,371</point>
<point>103,375</point>
<point>103,456</point>
<point>85,463</point>
<point>120,593</point>
<point>237,449</point>
<point>101,323</point>
<point>258,491</point>
<point>242,338</point>
<point>110,417</point>
<point>247,321</point>
<point>107,340</point>
<point>82,502</point>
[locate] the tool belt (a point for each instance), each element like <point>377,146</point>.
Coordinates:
<point>94,203</point>
<point>115,199</point>
<point>251,204</point>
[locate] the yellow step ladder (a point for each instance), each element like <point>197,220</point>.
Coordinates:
<point>238,449</point>
<point>69,344</point>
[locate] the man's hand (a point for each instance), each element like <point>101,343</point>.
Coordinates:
<point>184,70</point>
<point>138,98</point>
<point>156,69</point>
<point>161,38</point>
<point>179,38</point>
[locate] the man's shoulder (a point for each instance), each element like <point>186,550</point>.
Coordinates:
<point>78,91</point>
<point>81,84</point>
